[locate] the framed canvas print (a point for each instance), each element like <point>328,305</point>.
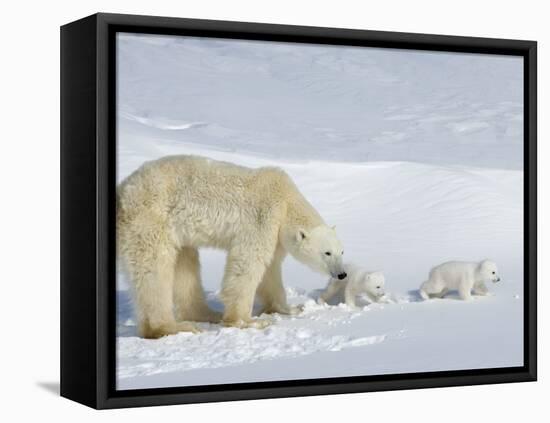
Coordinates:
<point>257,211</point>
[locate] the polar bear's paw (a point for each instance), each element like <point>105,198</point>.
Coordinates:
<point>295,309</point>
<point>187,327</point>
<point>255,323</point>
<point>290,310</point>
<point>171,328</point>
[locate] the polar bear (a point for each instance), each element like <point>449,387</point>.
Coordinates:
<point>358,281</point>
<point>171,207</point>
<point>462,276</point>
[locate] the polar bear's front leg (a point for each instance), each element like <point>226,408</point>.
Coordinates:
<point>480,289</point>
<point>243,273</point>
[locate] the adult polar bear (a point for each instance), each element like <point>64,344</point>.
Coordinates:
<point>171,207</point>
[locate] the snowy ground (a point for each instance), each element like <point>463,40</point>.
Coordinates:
<point>415,157</point>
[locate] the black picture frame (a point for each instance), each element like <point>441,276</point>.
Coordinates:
<point>88,186</point>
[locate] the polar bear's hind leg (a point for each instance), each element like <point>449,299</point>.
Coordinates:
<point>189,299</point>
<point>433,288</point>
<point>152,273</point>
<point>423,294</point>
<point>425,290</point>
<point>334,287</point>
<point>271,290</point>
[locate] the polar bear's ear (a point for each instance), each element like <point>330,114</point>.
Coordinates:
<point>301,235</point>
<point>333,227</point>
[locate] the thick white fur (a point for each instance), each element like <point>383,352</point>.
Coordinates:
<point>358,281</point>
<point>169,208</point>
<point>466,277</point>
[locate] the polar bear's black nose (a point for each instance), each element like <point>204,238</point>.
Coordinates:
<point>342,275</point>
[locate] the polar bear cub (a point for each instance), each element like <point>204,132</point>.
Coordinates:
<point>358,281</point>
<point>466,277</point>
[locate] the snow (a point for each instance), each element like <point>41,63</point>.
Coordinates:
<point>232,346</point>
<point>416,157</point>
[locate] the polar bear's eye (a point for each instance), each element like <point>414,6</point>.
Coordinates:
<point>327,253</point>
<point>494,273</point>
<point>377,287</point>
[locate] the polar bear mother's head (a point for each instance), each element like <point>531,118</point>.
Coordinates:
<point>319,248</point>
